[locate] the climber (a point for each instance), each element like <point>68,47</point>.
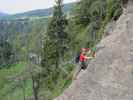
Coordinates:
<point>85,55</point>
<point>83,60</point>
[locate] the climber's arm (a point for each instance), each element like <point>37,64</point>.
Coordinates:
<point>89,57</point>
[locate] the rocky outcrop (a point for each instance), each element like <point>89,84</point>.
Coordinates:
<point>110,75</point>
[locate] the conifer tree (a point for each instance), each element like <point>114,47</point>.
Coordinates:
<point>56,29</point>
<point>55,44</point>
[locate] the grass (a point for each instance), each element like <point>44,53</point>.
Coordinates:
<point>10,90</point>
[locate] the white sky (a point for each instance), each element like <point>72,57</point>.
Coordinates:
<point>17,6</point>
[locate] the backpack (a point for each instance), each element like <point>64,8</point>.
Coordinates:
<point>77,58</point>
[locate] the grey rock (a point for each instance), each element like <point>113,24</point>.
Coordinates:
<point>110,75</point>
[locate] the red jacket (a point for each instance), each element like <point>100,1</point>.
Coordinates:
<point>82,58</point>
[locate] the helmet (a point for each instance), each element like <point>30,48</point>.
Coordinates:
<point>85,49</point>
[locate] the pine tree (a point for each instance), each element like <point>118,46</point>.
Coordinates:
<point>55,44</point>
<point>56,29</point>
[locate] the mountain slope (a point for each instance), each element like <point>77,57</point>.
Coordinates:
<point>3,14</point>
<point>44,12</point>
<point>39,13</point>
<point>110,75</point>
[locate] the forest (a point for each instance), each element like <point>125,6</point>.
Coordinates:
<point>37,52</point>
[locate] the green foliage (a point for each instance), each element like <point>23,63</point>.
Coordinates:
<point>9,29</point>
<point>6,54</point>
<point>55,45</point>
<point>10,88</point>
<point>56,34</point>
<point>56,28</point>
<point>92,16</point>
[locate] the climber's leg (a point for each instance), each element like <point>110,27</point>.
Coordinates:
<point>83,65</point>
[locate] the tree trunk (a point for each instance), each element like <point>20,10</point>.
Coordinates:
<point>23,89</point>
<point>35,86</point>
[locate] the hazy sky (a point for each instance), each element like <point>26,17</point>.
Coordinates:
<point>17,6</point>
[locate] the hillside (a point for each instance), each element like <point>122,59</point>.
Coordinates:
<point>110,75</point>
<point>3,14</point>
<point>9,29</point>
<point>38,13</point>
<point>23,23</point>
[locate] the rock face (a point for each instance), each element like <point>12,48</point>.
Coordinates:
<point>110,75</point>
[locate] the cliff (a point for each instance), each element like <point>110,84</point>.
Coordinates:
<point>110,75</point>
